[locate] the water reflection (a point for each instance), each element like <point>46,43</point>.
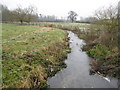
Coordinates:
<point>77,75</point>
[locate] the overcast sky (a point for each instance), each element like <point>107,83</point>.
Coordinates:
<point>61,8</point>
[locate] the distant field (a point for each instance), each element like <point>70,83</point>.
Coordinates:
<point>58,24</point>
<point>30,52</point>
<point>67,24</point>
<point>63,25</point>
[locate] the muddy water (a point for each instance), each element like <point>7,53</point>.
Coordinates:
<point>76,75</point>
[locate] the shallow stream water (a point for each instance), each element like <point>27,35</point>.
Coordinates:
<point>77,75</point>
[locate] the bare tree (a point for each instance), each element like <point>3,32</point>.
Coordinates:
<point>108,25</point>
<point>118,17</point>
<point>31,14</point>
<point>20,14</point>
<point>25,14</point>
<point>107,17</point>
<point>72,16</point>
<point>5,12</point>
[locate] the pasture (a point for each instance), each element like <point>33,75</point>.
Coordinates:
<point>30,52</point>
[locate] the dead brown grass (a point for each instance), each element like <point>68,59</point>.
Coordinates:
<point>34,79</point>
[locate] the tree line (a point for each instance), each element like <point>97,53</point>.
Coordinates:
<point>30,14</point>
<point>27,15</point>
<point>19,14</point>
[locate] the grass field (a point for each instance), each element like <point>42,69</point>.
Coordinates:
<point>57,24</point>
<point>60,25</point>
<point>31,54</point>
<point>66,24</point>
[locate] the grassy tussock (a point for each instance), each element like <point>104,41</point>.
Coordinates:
<point>34,79</point>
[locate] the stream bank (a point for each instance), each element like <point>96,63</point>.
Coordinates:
<point>77,75</point>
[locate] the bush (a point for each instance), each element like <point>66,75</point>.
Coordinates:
<point>99,51</point>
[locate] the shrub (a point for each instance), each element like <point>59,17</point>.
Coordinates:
<point>99,51</point>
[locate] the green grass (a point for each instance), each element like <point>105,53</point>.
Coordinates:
<point>61,25</point>
<point>99,51</point>
<point>106,60</point>
<point>66,24</point>
<point>26,49</point>
<point>10,31</point>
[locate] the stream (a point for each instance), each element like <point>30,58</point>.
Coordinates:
<point>77,75</point>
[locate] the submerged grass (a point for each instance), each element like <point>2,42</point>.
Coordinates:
<point>32,54</point>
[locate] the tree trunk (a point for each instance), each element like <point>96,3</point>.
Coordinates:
<point>21,21</point>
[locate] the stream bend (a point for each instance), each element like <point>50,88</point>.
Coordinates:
<point>76,75</point>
